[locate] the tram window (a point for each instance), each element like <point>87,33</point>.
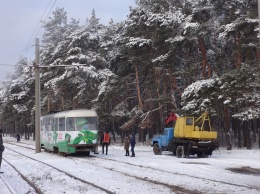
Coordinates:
<point>56,124</point>
<point>48,125</point>
<point>43,125</point>
<point>86,123</point>
<point>61,124</point>
<point>70,124</point>
<point>52,124</point>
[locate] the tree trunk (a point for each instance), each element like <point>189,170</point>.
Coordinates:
<point>247,134</point>
<point>239,143</point>
<point>227,127</point>
<point>244,133</point>
<point>158,76</point>
<point>253,129</point>
<point>174,83</point>
<point>62,103</point>
<point>33,127</point>
<point>258,130</point>
<point>138,88</point>
<point>25,132</point>
<point>49,102</point>
<point>234,129</point>
<point>205,63</point>
<point>238,51</point>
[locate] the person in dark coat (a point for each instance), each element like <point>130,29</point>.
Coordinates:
<point>1,146</point>
<point>18,137</point>
<point>126,147</point>
<point>132,143</point>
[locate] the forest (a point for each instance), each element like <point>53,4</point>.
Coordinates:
<point>183,56</point>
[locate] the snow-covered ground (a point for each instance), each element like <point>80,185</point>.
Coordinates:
<point>235,171</point>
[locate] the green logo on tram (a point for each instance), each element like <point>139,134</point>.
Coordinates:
<point>87,137</point>
<point>81,121</point>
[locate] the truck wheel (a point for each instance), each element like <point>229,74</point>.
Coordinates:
<point>156,149</point>
<point>180,151</point>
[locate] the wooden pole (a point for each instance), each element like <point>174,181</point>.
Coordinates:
<point>37,98</point>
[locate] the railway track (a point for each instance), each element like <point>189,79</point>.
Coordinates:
<point>150,184</point>
<point>176,186</point>
<point>180,174</point>
<point>35,188</point>
<point>7,188</point>
<point>171,187</point>
<point>36,182</point>
<point>112,164</point>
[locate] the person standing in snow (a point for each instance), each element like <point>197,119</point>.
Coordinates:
<point>18,137</point>
<point>127,144</point>
<point>105,142</point>
<point>132,143</point>
<point>1,146</point>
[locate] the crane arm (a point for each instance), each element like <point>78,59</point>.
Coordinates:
<point>171,117</point>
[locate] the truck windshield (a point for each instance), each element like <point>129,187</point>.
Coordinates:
<point>189,121</point>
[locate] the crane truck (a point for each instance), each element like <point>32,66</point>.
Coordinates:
<point>190,136</point>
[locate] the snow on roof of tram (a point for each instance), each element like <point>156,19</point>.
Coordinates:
<point>74,113</point>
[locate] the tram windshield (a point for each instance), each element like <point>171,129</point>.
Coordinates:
<point>81,123</point>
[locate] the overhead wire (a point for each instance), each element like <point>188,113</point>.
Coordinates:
<point>28,47</point>
<point>37,26</point>
<point>47,16</point>
<point>16,53</point>
<point>2,64</point>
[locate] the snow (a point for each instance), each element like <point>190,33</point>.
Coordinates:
<point>145,173</point>
<point>138,42</point>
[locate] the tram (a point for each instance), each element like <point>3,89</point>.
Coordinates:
<point>69,132</point>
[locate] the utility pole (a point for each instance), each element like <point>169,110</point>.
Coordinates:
<point>37,98</point>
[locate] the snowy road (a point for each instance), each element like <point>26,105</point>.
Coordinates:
<point>146,173</point>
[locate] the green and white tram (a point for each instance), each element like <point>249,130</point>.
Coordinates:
<point>70,132</point>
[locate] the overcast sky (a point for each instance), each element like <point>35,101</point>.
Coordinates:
<point>20,22</point>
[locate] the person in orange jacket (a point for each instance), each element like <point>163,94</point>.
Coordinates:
<point>105,142</point>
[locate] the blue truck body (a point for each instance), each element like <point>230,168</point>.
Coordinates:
<point>164,139</point>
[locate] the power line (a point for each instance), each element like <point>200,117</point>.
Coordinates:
<point>16,53</point>
<point>37,25</point>
<point>8,65</point>
<point>45,66</point>
<point>47,16</point>
<point>27,47</point>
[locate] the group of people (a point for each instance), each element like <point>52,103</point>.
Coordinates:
<point>129,141</point>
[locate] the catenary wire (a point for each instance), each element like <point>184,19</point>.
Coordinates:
<point>37,26</point>
<point>47,16</point>
<point>27,48</point>
<point>16,53</point>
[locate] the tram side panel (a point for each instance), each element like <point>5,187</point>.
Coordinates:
<point>70,134</point>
